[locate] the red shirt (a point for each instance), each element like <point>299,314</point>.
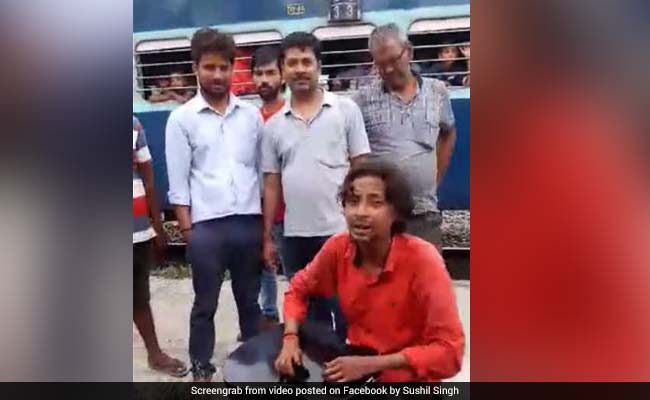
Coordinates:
<point>266,114</point>
<point>409,308</point>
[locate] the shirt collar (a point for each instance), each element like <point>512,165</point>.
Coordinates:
<point>273,111</point>
<point>418,77</point>
<point>395,242</point>
<point>200,104</point>
<point>328,100</point>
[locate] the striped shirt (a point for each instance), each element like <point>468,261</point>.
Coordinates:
<point>142,230</point>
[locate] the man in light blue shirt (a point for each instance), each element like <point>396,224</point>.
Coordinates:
<point>213,152</point>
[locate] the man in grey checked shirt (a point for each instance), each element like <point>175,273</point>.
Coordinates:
<point>410,123</point>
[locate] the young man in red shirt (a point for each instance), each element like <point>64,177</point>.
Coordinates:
<point>393,288</point>
<point>265,67</point>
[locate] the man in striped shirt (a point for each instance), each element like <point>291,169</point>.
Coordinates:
<point>147,234</point>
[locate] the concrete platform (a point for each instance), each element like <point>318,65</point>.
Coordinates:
<point>171,302</point>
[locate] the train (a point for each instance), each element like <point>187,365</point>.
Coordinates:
<point>161,48</point>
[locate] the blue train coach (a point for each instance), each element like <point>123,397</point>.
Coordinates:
<point>161,48</point>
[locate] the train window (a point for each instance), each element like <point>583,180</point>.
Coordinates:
<point>247,43</point>
<point>164,70</point>
<point>164,67</point>
<point>346,62</point>
<point>441,49</point>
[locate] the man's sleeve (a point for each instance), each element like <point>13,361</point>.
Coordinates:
<point>179,157</point>
<point>356,131</point>
<point>447,118</point>
<point>270,157</point>
<point>441,353</point>
<point>142,154</point>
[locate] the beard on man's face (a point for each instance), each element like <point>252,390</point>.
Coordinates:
<point>268,92</point>
<point>215,88</point>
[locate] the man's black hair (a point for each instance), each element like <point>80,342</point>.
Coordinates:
<point>265,55</point>
<point>398,193</point>
<point>301,40</point>
<point>208,40</point>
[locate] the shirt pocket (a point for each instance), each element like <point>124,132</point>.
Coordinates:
<point>333,155</point>
<point>425,132</point>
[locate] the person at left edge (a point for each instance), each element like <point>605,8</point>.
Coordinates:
<point>148,235</point>
<point>212,148</point>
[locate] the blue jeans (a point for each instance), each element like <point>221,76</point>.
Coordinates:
<point>269,286</point>
<point>298,252</point>
<point>217,245</point>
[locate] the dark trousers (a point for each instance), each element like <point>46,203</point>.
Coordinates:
<point>232,243</point>
<point>297,253</point>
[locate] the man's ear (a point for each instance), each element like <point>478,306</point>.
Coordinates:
<point>195,68</point>
<point>409,49</point>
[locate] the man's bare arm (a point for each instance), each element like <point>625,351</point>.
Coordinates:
<point>146,172</point>
<point>358,160</point>
<point>444,150</point>
<point>272,197</point>
<point>159,96</point>
<point>184,220</point>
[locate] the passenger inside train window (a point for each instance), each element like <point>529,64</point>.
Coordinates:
<point>179,89</point>
<point>347,62</point>
<point>450,68</point>
<point>464,50</point>
<point>357,77</point>
<point>160,91</point>
<point>172,88</point>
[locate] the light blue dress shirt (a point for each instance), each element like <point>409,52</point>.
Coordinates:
<point>213,159</point>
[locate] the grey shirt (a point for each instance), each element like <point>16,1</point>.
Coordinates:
<point>313,159</point>
<point>406,134</point>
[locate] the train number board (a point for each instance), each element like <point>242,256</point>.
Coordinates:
<point>345,10</point>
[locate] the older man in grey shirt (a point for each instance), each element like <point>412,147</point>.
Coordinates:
<point>307,148</point>
<point>410,123</point>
